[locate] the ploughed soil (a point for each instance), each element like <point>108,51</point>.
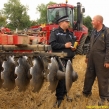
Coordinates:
<point>45,99</point>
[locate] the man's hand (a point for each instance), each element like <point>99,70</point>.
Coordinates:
<point>106,65</point>
<point>68,45</point>
<point>73,48</point>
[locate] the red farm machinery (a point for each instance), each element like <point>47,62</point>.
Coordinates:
<point>27,59</point>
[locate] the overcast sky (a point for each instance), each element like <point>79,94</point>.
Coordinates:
<point>92,7</point>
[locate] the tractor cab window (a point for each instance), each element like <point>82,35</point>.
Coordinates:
<point>55,13</point>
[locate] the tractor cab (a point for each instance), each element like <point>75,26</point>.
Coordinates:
<point>55,11</point>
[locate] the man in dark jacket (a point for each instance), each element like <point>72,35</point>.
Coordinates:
<point>61,39</point>
<point>98,60</point>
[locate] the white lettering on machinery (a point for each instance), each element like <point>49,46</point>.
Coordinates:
<point>62,34</point>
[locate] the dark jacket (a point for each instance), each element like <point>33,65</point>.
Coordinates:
<point>58,38</point>
<point>100,43</point>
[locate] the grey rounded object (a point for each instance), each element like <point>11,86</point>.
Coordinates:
<point>52,76</point>
<point>21,71</point>
<point>7,75</point>
<point>68,75</point>
<point>37,73</point>
<point>1,69</point>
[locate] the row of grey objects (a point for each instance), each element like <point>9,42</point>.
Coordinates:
<point>23,74</point>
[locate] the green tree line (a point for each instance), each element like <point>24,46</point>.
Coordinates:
<point>14,15</point>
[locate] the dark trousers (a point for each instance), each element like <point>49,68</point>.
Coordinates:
<point>61,90</point>
<point>61,87</point>
<point>95,69</point>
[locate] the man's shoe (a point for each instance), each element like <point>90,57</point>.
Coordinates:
<point>57,104</point>
<point>102,102</point>
<point>69,99</point>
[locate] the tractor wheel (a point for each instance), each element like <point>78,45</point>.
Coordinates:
<point>81,49</point>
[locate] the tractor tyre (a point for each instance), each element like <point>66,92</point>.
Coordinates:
<point>80,49</point>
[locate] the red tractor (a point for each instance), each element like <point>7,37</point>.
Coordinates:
<point>54,12</point>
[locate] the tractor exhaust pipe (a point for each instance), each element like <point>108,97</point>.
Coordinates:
<point>80,12</point>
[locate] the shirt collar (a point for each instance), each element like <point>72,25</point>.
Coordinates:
<point>103,28</point>
<point>60,29</point>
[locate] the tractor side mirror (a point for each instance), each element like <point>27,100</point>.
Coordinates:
<point>83,10</point>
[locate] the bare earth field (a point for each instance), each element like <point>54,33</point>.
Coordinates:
<point>45,99</point>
